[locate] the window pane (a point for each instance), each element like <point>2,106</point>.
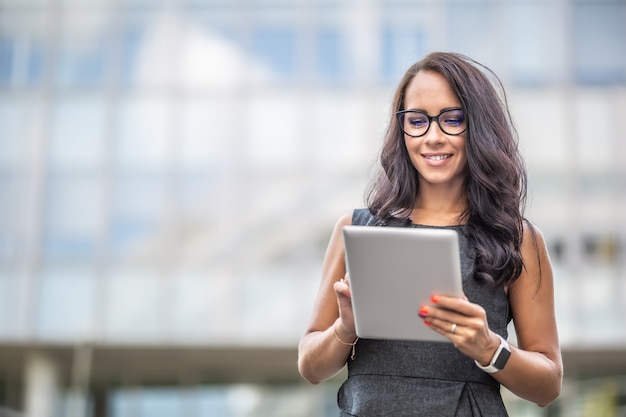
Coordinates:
<point>145,133</point>
<point>471,30</point>
<point>24,36</point>
<point>276,47</point>
<point>598,45</point>
<point>7,54</point>
<point>139,204</point>
<point>161,402</point>
<point>83,49</point>
<point>8,216</point>
<point>401,47</point>
<point>19,117</point>
<point>204,296</point>
<point>73,213</point>
<point>132,39</point>
<point>151,47</point>
<point>273,127</point>
<point>331,52</point>
<point>133,308</point>
<point>595,118</point>
<point>5,302</point>
<point>207,133</point>
<point>11,120</point>
<point>78,131</point>
<point>531,49</point>
<point>211,53</point>
<point>66,303</point>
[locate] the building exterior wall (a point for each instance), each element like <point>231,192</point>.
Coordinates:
<point>170,173</point>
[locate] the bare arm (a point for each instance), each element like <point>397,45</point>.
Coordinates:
<point>535,369</point>
<point>320,354</point>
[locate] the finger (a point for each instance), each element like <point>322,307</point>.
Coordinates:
<point>443,315</point>
<point>444,328</point>
<point>458,304</point>
<point>342,288</point>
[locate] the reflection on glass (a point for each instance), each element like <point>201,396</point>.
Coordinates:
<point>24,39</point>
<point>132,38</point>
<point>273,126</point>
<point>276,46</point>
<point>599,32</point>
<point>8,217</point>
<point>7,53</point>
<point>138,215</point>
<point>73,216</point>
<point>82,55</point>
<point>5,302</point>
<point>204,296</point>
<point>331,54</point>
<point>401,47</point>
<point>133,304</point>
<point>470,29</point>
<point>161,402</point>
<point>145,134</point>
<point>207,130</point>
<point>530,46</point>
<point>77,135</point>
<point>17,116</point>
<point>66,303</point>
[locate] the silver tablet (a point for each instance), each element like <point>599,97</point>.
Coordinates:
<point>395,270</point>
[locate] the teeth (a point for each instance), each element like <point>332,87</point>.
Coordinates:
<point>438,157</point>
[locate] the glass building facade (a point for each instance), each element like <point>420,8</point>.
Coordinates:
<point>171,170</point>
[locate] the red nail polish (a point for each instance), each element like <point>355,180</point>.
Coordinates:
<point>423,311</point>
<point>426,322</point>
<point>434,298</point>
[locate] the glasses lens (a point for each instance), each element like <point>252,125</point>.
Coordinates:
<point>453,122</point>
<point>414,123</point>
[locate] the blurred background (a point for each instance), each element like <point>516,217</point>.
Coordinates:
<point>171,170</point>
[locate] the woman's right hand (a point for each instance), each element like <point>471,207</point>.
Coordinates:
<point>344,326</point>
<point>320,354</point>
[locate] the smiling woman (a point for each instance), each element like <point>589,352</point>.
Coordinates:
<point>449,160</point>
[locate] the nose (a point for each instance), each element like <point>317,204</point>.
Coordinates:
<point>434,134</point>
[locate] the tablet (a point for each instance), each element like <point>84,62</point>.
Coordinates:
<point>395,270</point>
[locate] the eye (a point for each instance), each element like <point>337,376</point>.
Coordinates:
<point>452,122</point>
<point>416,121</point>
<point>453,119</point>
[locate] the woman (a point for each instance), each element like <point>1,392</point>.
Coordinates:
<point>450,159</point>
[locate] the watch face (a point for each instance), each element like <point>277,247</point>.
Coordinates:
<point>503,357</point>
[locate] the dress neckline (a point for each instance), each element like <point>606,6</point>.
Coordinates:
<point>451,226</point>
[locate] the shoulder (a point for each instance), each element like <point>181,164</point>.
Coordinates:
<point>537,270</point>
<point>344,220</point>
<point>533,243</point>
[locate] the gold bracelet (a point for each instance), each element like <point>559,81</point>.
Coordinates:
<point>353,344</point>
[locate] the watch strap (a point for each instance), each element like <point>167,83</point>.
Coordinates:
<point>499,359</point>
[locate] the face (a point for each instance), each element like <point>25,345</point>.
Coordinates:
<point>439,158</point>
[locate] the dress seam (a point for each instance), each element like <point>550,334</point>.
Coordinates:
<point>464,381</point>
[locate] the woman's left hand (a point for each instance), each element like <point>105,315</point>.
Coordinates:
<point>464,323</point>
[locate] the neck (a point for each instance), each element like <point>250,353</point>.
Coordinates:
<point>439,206</point>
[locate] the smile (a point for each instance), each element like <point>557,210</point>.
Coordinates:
<point>437,157</point>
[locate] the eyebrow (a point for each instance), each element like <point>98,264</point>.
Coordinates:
<point>440,111</point>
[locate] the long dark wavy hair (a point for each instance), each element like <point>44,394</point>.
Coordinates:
<point>495,181</point>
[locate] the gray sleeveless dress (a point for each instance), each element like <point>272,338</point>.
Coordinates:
<point>408,378</point>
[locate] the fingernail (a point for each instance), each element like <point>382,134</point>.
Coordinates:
<point>426,322</point>
<point>434,298</point>
<point>423,312</point>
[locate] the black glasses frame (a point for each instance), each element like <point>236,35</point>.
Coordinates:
<point>400,114</point>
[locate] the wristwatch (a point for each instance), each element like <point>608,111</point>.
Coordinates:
<point>500,358</point>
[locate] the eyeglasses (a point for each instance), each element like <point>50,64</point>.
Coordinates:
<point>416,123</point>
